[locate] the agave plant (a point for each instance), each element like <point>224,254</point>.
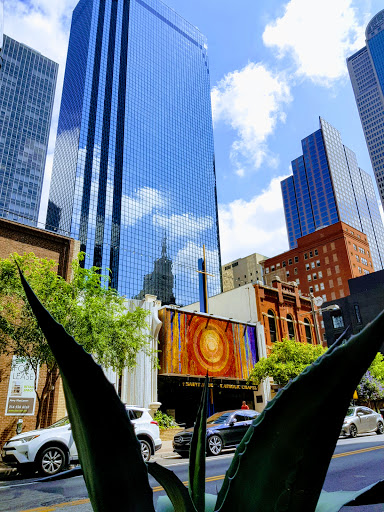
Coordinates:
<point>278,466</point>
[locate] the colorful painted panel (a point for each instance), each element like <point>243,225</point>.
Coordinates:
<point>193,344</point>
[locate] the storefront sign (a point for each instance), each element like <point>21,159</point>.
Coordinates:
<point>217,385</point>
<point>21,398</point>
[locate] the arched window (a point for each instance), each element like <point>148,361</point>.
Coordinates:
<point>308,332</point>
<point>272,325</point>
<point>291,327</point>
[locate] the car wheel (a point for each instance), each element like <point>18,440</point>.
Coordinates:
<point>52,460</point>
<point>145,450</point>
<point>380,428</point>
<point>215,445</point>
<point>353,430</point>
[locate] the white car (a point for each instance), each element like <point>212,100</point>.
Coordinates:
<point>50,450</point>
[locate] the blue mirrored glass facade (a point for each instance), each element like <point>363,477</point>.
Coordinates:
<point>328,186</point>
<point>27,91</point>
<point>366,70</point>
<point>134,173</point>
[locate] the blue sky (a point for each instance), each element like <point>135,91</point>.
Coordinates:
<point>275,67</point>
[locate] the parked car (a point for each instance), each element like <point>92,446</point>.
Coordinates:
<point>50,450</point>
<point>360,420</point>
<point>224,429</point>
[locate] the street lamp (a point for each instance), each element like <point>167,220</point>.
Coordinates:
<point>319,301</point>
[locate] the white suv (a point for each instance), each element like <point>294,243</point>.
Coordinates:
<point>50,450</point>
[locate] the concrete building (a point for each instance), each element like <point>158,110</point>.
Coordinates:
<point>367,76</point>
<point>242,271</point>
<point>27,91</point>
<point>363,304</point>
<point>134,144</point>
<point>328,186</point>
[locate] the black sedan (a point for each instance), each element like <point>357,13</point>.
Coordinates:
<point>224,430</point>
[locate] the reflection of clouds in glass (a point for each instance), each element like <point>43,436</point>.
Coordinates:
<point>144,201</point>
<point>187,225</point>
<point>186,263</point>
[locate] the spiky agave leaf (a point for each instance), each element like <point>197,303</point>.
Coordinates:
<point>96,414</point>
<point>282,460</point>
<point>197,453</point>
<point>179,498</point>
<point>334,501</point>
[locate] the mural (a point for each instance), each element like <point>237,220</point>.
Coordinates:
<point>192,344</point>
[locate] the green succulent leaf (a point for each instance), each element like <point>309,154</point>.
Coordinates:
<point>177,492</point>
<point>164,504</point>
<point>281,463</point>
<point>197,453</point>
<point>334,501</point>
<point>96,413</point>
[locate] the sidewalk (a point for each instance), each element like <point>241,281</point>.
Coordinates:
<point>165,452</point>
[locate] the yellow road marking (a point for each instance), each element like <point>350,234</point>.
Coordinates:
<point>158,488</point>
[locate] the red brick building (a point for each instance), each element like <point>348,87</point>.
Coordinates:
<point>323,261</point>
<point>22,239</point>
<point>285,313</point>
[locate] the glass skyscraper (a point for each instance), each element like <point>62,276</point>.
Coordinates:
<point>328,186</point>
<point>27,91</point>
<point>134,171</point>
<point>366,69</point>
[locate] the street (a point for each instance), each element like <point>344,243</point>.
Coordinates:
<point>355,464</point>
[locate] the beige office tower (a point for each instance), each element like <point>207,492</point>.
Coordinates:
<point>242,271</point>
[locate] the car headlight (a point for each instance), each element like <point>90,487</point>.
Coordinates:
<point>26,439</point>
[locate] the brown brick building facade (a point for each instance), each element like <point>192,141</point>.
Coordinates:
<point>22,239</point>
<point>285,313</point>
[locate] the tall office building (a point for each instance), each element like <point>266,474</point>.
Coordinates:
<point>27,91</point>
<point>366,69</point>
<point>134,157</point>
<point>328,186</point>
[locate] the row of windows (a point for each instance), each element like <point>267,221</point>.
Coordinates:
<point>291,327</point>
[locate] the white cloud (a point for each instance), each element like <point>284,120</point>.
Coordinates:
<point>251,101</point>
<point>319,36</point>
<point>145,200</point>
<point>191,224</point>
<point>243,229</point>
<point>44,26</point>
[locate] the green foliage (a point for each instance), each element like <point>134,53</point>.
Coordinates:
<point>377,367</point>
<point>164,420</point>
<point>87,308</point>
<point>271,471</point>
<point>288,358</point>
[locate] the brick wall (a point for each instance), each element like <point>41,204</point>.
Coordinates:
<point>22,239</point>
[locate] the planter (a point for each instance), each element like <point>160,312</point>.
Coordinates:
<point>167,434</point>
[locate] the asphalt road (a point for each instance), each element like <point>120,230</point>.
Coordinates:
<point>356,463</point>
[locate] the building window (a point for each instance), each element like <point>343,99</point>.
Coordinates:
<point>337,269</point>
<point>227,267</point>
<point>277,265</point>
<point>316,252</point>
<point>284,264</point>
<point>337,321</point>
<point>298,281</point>
<point>309,277</point>
<point>291,327</point>
<point>295,270</point>
<point>296,259</point>
<point>272,325</point>
<point>321,286</point>
<point>316,287</point>
<point>357,314</point>
<point>334,256</point>
<point>355,247</point>
<point>326,260</point>
<point>272,268</point>
<point>307,266</point>
<point>361,250</point>
<point>287,273</point>
<point>314,276</point>
<point>324,248</point>
<point>324,297</point>
<point>310,254</point>
<point>308,333</point>
<point>365,271</point>
<point>357,257</point>
<point>313,264</point>
<point>339,281</point>
<point>311,289</point>
<point>318,263</point>
<point>320,274</point>
<point>333,246</point>
<point>364,261</point>
<point>267,270</point>
<point>331,283</point>
<point>290,261</point>
<point>305,256</point>
<point>359,269</point>
<point>235,264</point>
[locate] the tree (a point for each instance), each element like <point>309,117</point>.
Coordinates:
<point>92,312</point>
<point>288,358</point>
<point>370,389</point>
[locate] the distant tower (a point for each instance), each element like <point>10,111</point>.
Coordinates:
<point>366,70</point>
<point>134,152</point>
<point>27,91</point>
<point>328,186</point>
<point>160,282</point>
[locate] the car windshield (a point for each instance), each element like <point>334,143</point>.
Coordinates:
<point>219,417</point>
<point>60,423</point>
<point>350,412</point>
